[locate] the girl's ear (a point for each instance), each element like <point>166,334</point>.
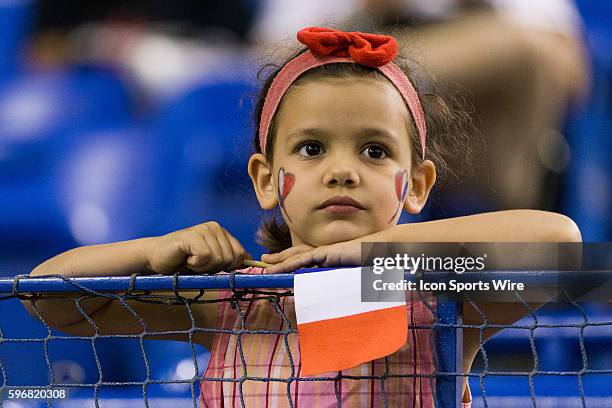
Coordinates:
<point>261,175</point>
<point>422,179</point>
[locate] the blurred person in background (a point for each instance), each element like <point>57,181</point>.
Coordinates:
<point>522,63</point>
<point>165,47</point>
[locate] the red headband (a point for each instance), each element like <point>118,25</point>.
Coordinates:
<point>328,46</point>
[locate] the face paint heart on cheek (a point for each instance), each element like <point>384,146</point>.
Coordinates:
<point>401,189</point>
<point>285,184</point>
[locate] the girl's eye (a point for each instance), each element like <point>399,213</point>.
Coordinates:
<point>374,152</point>
<point>310,149</point>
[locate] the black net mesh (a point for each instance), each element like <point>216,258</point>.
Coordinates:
<point>438,383</point>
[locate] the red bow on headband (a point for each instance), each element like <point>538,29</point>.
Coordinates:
<point>372,50</point>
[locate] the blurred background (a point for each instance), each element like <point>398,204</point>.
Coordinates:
<point>123,119</point>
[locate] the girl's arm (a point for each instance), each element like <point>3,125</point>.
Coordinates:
<point>202,248</point>
<point>501,226</point>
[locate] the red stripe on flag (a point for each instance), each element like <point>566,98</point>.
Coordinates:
<point>345,342</point>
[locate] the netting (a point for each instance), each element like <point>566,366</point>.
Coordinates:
<point>439,383</point>
<point>532,324</point>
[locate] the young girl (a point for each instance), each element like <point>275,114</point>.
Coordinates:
<point>342,146</point>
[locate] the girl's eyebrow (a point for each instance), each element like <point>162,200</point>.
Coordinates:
<point>383,133</point>
<point>314,132</point>
<point>362,133</point>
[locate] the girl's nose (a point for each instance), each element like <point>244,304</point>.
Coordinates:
<point>341,176</point>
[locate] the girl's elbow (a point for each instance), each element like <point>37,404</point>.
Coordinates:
<point>566,230</point>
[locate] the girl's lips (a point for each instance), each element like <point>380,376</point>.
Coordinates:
<point>342,201</point>
<point>341,209</point>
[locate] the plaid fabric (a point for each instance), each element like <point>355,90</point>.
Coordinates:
<point>267,356</point>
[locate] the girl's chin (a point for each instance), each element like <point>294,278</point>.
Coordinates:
<point>336,232</point>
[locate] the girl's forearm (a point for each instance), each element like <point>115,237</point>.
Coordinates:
<point>501,226</point>
<point>116,259</point>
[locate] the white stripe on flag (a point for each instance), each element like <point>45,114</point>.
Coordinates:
<point>332,294</point>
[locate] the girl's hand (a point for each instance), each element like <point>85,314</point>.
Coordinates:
<point>346,253</point>
<point>202,248</point>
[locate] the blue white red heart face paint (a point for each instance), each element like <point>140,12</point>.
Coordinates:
<point>285,184</point>
<point>401,189</point>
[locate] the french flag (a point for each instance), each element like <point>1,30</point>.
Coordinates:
<point>336,330</point>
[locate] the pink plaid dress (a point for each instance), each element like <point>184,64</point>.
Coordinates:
<point>268,356</point>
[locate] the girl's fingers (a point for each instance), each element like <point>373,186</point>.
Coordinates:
<point>277,257</point>
<point>232,252</point>
<point>199,253</point>
<point>206,247</point>
<point>229,252</point>
<point>287,253</point>
<point>298,261</point>
<point>320,257</point>
<point>239,253</point>
<point>217,253</point>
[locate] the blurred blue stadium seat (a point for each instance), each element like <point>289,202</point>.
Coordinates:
<point>111,186</point>
<point>588,190</point>
<point>210,131</point>
<point>24,363</point>
<point>557,350</point>
<point>41,115</point>
<point>15,24</point>
<point>74,361</point>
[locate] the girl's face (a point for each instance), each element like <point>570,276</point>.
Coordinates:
<point>341,167</point>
